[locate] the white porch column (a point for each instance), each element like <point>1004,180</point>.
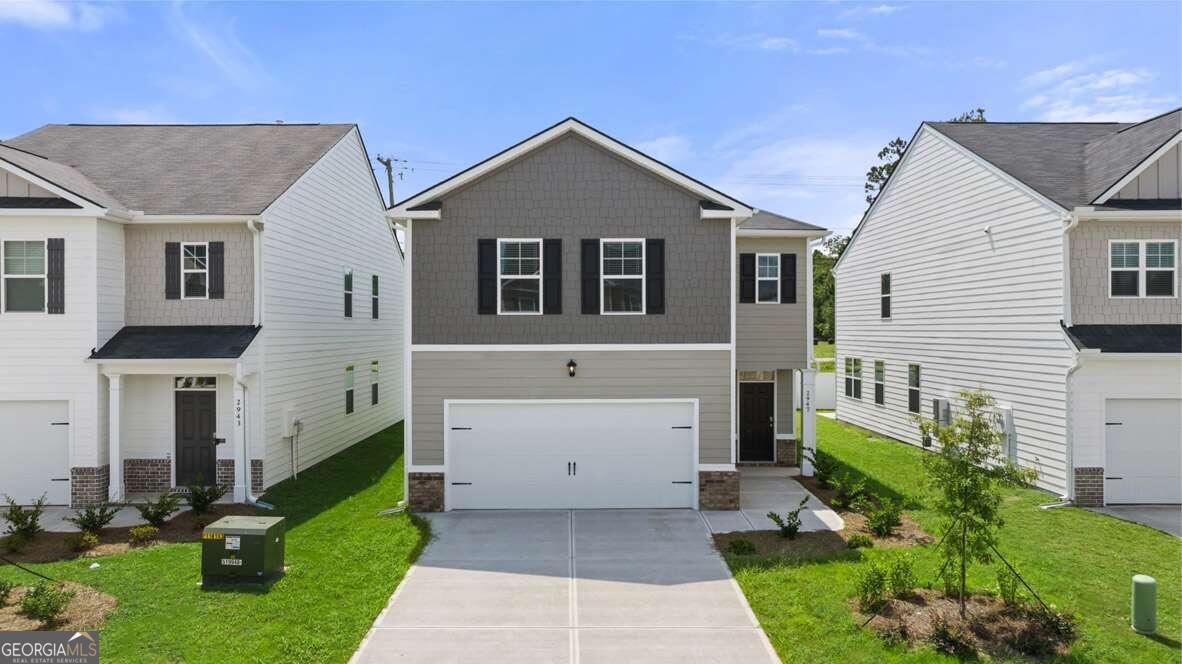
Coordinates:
<point>241,462</point>
<point>808,419</point>
<point>114,416</point>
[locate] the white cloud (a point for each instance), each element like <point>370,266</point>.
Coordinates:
<point>1056,73</point>
<point>840,33</point>
<point>866,10</point>
<point>669,149</point>
<point>52,14</point>
<point>1075,92</point>
<point>223,49</point>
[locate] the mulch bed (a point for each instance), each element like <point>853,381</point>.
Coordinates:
<point>183,527</point>
<point>929,618</point>
<point>907,534</point>
<point>88,610</point>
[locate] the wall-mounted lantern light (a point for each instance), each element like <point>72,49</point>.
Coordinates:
<point>571,365</point>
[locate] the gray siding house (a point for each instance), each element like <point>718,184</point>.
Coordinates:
<point>589,327</point>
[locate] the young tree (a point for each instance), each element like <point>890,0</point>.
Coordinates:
<point>824,259</point>
<point>877,176</point>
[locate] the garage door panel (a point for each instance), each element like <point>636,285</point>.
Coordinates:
<point>1143,451</point>
<point>34,440</point>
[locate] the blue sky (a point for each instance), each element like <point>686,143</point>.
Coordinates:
<point>781,105</point>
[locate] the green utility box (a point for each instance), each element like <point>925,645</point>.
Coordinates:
<point>238,549</point>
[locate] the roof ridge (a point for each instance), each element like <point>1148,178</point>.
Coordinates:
<point>1159,115</point>
<point>204,124</point>
<point>1036,122</point>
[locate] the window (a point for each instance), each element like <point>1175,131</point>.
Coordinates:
<point>196,382</point>
<point>373,298</point>
<point>1129,276</point>
<point>348,293</point>
<point>349,389</point>
<point>194,270</point>
<point>879,382</point>
<point>913,388</point>
<point>24,275</point>
<point>519,276</point>
<point>767,277</point>
<point>853,377</point>
<point>885,292</point>
<point>857,378</point>
<point>622,277</point>
<point>374,371</point>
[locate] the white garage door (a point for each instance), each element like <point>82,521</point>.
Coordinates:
<point>1143,450</point>
<point>34,440</point>
<point>597,454</point>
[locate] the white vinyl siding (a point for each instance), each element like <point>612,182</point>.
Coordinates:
<point>976,310</point>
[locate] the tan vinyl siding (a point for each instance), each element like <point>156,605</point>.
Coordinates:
<point>772,335</point>
<point>666,374</point>
<point>1090,303</point>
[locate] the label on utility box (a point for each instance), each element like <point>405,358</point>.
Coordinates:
<point>233,542</point>
<point>232,562</point>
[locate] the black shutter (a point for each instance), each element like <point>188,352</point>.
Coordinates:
<point>654,275</point>
<point>590,276</point>
<point>552,276</point>
<point>486,276</point>
<point>747,277</point>
<point>56,275</point>
<point>172,270</point>
<point>217,270</point>
<point>787,278</point>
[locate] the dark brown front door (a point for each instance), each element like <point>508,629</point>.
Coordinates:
<point>195,422</point>
<point>757,438</point>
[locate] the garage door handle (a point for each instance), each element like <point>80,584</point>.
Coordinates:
<point>461,428</point>
<point>575,467</point>
<point>684,427</point>
<point>568,469</point>
<point>685,482</point>
<point>59,424</point>
<point>1114,478</point>
<point>59,479</point>
<point>1114,424</point>
<point>461,484</point>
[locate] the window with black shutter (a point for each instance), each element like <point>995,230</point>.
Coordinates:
<point>788,278</point>
<point>552,276</point>
<point>172,270</point>
<point>747,278</point>
<point>654,284</point>
<point>589,276</point>
<point>486,276</point>
<point>55,289</point>
<point>217,270</point>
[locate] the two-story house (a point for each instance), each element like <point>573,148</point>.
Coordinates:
<point>190,303</point>
<point>591,328</point>
<point>1039,262</point>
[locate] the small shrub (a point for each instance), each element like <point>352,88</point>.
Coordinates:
<point>46,602</point>
<point>6,588</point>
<point>848,490</point>
<point>789,525</point>
<point>883,519</point>
<point>200,497</point>
<point>1007,585</point>
<point>824,466</point>
<point>951,640</point>
<point>24,521</point>
<point>93,519</point>
<point>951,582</point>
<point>1061,625</point>
<point>862,505</point>
<point>872,585</point>
<point>83,541</point>
<point>15,543</point>
<point>901,578</point>
<point>157,512</point>
<point>141,535</point>
<point>742,547</point>
<point>860,541</point>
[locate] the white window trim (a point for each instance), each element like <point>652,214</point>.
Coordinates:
<point>350,291</point>
<point>538,276</point>
<point>195,389</point>
<point>918,387</point>
<point>878,382</point>
<point>1142,269</point>
<point>887,295</point>
<point>759,279</point>
<point>44,279</point>
<point>643,277</point>
<point>374,297</point>
<point>185,270</point>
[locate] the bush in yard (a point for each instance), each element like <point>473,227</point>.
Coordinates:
<point>141,535</point>
<point>1007,585</point>
<point>742,547</point>
<point>156,512</point>
<point>824,466</point>
<point>15,543</point>
<point>24,522</point>
<point>83,541</point>
<point>848,489</point>
<point>6,588</point>
<point>901,577</point>
<point>200,497</point>
<point>789,525</point>
<point>872,585</point>
<point>93,519</point>
<point>46,602</point>
<point>859,541</point>
<point>883,519</point>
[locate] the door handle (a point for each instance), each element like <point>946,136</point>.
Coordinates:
<point>575,467</point>
<point>568,469</point>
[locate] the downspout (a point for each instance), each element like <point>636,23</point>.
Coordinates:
<point>257,241</point>
<point>243,460</point>
<point>244,452</point>
<point>1072,220</point>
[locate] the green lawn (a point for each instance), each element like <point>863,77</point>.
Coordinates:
<point>1077,560</point>
<point>344,563</point>
<point>823,349</point>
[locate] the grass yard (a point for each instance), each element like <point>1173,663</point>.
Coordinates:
<point>1077,560</point>
<point>823,349</point>
<point>344,562</point>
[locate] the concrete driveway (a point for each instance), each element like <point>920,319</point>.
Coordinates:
<point>1166,518</point>
<point>588,586</point>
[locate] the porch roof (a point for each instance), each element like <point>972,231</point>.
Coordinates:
<point>177,342</point>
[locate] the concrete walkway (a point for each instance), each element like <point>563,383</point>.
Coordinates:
<point>54,519</point>
<point>585,586</point>
<point>1166,518</point>
<point>764,489</point>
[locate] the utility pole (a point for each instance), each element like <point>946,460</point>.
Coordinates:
<point>390,164</point>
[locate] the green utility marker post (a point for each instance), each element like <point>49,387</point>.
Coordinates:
<point>1144,604</point>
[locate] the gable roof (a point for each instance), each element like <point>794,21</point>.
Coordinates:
<point>181,169</point>
<point>60,175</point>
<point>715,203</point>
<point>763,220</point>
<point>1111,158</point>
<point>189,342</point>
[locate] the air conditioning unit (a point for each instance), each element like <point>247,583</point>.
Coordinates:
<point>942,412</point>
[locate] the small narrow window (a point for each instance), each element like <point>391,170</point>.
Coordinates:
<point>1124,269</point>
<point>194,270</point>
<point>1160,269</point>
<point>879,382</point>
<point>622,278</point>
<point>767,278</point>
<point>24,275</point>
<point>373,298</point>
<point>885,292</point>
<point>519,276</point>
<point>857,378</point>
<point>913,388</point>
<point>374,372</point>
<point>348,293</point>
<point>349,389</point>
<point>849,376</point>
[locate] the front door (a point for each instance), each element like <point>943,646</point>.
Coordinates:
<point>195,422</point>
<point>757,439</point>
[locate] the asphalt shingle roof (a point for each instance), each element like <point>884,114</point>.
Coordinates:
<point>1127,338</point>
<point>62,175</point>
<point>763,220</point>
<point>177,342</point>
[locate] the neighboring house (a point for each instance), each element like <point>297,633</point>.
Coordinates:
<point>1039,262</point>
<point>592,328</point>
<point>168,289</point>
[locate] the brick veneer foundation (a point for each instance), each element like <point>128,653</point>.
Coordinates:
<point>147,475</point>
<point>718,490</point>
<point>1089,487</point>
<point>426,492</point>
<point>786,452</point>
<point>256,476</point>
<point>89,485</point>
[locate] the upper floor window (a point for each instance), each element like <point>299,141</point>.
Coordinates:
<point>194,270</point>
<point>913,388</point>
<point>348,293</point>
<point>622,277</point>
<point>519,276</point>
<point>373,298</point>
<point>24,275</point>
<point>884,290</point>
<point>1142,268</point>
<point>767,277</point>
<point>879,382</point>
